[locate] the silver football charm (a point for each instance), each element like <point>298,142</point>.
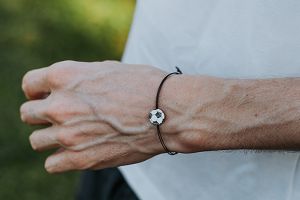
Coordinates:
<point>156,116</point>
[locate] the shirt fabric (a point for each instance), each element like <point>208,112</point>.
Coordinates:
<point>223,38</point>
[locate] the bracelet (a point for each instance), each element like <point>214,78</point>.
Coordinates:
<point>157,116</point>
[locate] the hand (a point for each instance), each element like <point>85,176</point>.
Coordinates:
<point>97,114</point>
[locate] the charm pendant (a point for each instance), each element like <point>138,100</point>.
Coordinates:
<point>156,116</point>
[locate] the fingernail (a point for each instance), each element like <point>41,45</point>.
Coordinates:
<point>50,165</point>
<point>22,111</point>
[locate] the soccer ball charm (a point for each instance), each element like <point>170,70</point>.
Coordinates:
<point>156,116</point>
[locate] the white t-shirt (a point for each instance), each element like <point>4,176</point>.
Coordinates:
<point>224,38</point>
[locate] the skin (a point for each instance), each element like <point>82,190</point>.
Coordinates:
<point>97,113</point>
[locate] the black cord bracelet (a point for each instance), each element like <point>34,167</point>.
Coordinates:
<point>157,116</point>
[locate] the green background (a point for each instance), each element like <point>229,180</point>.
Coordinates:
<point>37,33</point>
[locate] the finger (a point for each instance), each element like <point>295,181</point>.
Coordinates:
<point>65,160</point>
<point>97,157</point>
<point>35,84</point>
<point>72,137</point>
<point>34,112</point>
<point>60,136</point>
<point>44,139</point>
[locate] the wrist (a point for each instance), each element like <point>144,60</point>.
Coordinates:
<point>180,98</point>
<point>192,105</point>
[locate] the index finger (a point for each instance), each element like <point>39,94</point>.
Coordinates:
<point>35,84</point>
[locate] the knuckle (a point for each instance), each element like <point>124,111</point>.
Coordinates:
<point>110,62</point>
<point>54,77</point>
<point>51,111</point>
<point>64,139</point>
<point>69,62</point>
<point>78,162</point>
<point>57,117</point>
<point>75,147</point>
<point>55,110</point>
<point>58,72</point>
<point>61,64</point>
<point>60,108</point>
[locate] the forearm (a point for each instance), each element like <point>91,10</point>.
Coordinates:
<point>215,114</point>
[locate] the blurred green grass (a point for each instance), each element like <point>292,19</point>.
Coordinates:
<point>33,34</point>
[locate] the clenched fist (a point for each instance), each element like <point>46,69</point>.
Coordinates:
<point>97,113</point>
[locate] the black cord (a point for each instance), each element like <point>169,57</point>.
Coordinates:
<point>157,102</point>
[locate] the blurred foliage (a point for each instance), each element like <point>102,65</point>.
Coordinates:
<point>33,34</point>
